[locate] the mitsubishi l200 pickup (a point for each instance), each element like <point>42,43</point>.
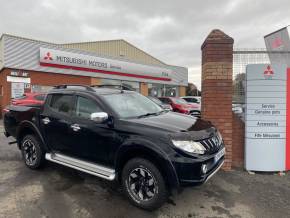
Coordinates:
<point>117,135</point>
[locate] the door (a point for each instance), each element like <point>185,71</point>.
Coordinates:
<point>56,121</point>
<point>91,141</point>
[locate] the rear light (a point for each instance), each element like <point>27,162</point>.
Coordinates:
<point>5,110</point>
<point>184,111</point>
<point>195,106</point>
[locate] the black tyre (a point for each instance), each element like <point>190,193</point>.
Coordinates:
<point>32,152</point>
<point>143,184</point>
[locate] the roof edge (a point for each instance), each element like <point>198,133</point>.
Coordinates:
<point>276,31</point>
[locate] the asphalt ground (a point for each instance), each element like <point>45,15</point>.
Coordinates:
<point>57,191</point>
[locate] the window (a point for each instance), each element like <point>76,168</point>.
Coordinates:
<point>62,103</point>
<point>156,100</point>
<point>39,97</point>
<point>156,90</point>
<point>171,91</point>
<point>179,101</point>
<point>135,86</point>
<point>165,100</point>
<point>192,100</point>
<point>40,88</point>
<point>85,107</point>
<point>133,104</point>
<point>24,96</point>
<point>110,82</point>
<point>129,85</point>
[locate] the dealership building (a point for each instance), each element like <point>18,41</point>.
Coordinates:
<point>28,65</point>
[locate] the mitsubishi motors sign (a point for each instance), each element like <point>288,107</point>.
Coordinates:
<point>267,121</point>
<point>278,42</point>
<point>97,65</point>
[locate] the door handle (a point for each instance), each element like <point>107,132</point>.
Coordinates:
<point>46,120</point>
<point>75,127</point>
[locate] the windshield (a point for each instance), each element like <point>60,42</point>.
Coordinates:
<point>179,101</point>
<point>129,105</point>
<point>192,100</point>
<point>156,100</point>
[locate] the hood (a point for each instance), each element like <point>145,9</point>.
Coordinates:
<point>184,106</point>
<point>173,122</point>
<point>166,106</point>
<point>194,106</point>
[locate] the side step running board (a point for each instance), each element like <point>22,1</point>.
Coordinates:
<point>87,167</point>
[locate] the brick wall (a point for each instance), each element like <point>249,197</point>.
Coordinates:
<point>50,79</point>
<point>238,141</point>
<point>40,78</point>
<point>217,63</point>
<point>6,87</point>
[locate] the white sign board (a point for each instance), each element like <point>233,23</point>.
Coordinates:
<point>265,117</point>
<point>17,89</point>
<point>93,64</point>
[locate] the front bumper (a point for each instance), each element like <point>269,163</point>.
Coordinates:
<point>195,113</point>
<point>189,171</point>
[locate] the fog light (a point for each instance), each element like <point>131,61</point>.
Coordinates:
<point>203,168</point>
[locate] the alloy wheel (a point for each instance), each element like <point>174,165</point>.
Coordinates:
<point>29,151</point>
<point>142,184</point>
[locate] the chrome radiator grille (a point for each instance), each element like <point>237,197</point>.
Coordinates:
<point>213,144</point>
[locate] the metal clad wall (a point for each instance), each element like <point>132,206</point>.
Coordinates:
<point>116,48</point>
<point>180,76</point>
<point>1,53</point>
<point>23,54</point>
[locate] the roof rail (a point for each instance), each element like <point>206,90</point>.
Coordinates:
<point>65,86</point>
<point>121,87</point>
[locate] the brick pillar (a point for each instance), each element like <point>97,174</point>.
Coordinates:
<point>95,81</point>
<point>217,71</point>
<point>144,89</point>
<point>182,91</point>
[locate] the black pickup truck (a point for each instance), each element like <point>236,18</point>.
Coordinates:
<point>118,135</point>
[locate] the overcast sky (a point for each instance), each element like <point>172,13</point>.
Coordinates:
<point>171,31</point>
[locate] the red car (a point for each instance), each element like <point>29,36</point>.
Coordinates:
<point>29,99</point>
<point>181,106</point>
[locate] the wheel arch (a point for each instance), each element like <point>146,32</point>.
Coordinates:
<point>165,166</point>
<point>26,128</point>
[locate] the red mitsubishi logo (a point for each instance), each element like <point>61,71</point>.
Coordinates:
<point>268,73</point>
<point>48,56</point>
<point>277,42</point>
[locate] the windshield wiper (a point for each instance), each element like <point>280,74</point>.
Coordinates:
<point>150,114</point>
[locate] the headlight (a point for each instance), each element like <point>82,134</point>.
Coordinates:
<point>189,146</point>
<point>220,138</point>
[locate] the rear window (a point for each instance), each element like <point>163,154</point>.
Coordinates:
<point>156,100</point>
<point>20,97</point>
<point>62,103</point>
<point>165,100</point>
<point>191,100</point>
<point>39,97</point>
<point>179,101</point>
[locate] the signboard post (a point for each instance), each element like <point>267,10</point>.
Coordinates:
<point>266,109</point>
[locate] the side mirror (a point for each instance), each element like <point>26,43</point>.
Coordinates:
<point>99,117</point>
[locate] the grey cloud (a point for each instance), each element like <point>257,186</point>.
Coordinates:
<point>169,30</point>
